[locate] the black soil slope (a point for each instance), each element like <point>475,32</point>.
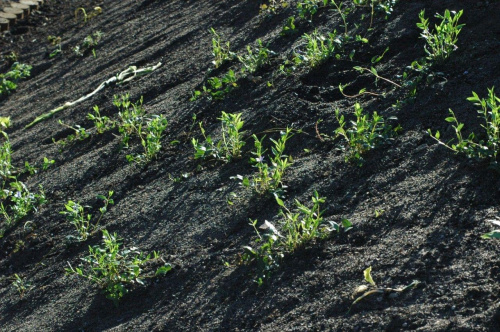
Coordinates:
<point>435,203</point>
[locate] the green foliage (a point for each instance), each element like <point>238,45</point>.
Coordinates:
<point>76,216</point>
<point>270,174</point>
<point>221,51</point>
<point>89,44</point>
<point>134,122</point>
<point>229,147</point>
<point>289,27</point>
<point>5,161</point>
<point>318,48</point>
<point>80,134</point>
<point>472,146</point>
<point>255,58</point>
<point>295,229</point>
<point>364,134</point>
<point>33,169</point>
<point>217,88</point>
<point>114,269</point>
<point>19,201</point>
<point>8,81</point>
<point>442,42</point>
<point>20,284</point>
<point>150,135</point>
<point>273,6</point>
<point>307,8</point>
<point>102,123</point>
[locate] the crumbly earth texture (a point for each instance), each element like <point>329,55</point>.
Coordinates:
<point>433,204</point>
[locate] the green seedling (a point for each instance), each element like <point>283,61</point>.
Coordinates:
<point>365,133</point>
<point>20,284</point>
<point>364,291</point>
<point>114,269</point>
<point>8,81</point>
<point>255,58</point>
<point>318,48</point>
<point>289,27</point>
<point>270,173</point>
<point>273,6</point>
<point>55,41</point>
<point>89,44</point>
<point>33,169</point>
<point>80,134</point>
<point>19,202</point>
<point>217,88</point>
<point>472,146</point>
<point>97,11</point>
<point>295,229</point>
<point>227,148</point>
<point>307,8</point>
<point>102,123</point>
<point>441,42</point>
<point>75,215</point>
<point>220,50</point>
<point>150,135</point>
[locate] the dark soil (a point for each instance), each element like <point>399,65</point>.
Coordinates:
<point>436,204</point>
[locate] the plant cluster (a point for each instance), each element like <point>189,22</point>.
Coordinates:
<point>318,48</point>
<point>55,41</point>
<point>89,44</point>
<point>221,51</point>
<point>16,201</point>
<point>134,122</point>
<point>76,216</point>
<point>273,6</point>
<point>20,284</point>
<point>364,133</point>
<point>442,42</point>
<point>256,58</point>
<point>228,147</point>
<point>113,269</point>
<point>295,229</point>
<point>270,173</point>
<point>8,81</point>
<point>485,146</point>
<point>217,88</point>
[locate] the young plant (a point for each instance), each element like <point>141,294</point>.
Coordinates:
<point>75,214</point>
<point>221,51</point>
<point>89,44</point>
<point>255,58</point>
<point>472,146</point>
<point>102,123</point>
<point>294,229</point>
<point>269,176</point>
<point>150,135</point>
<point>20,284</point>
<point>80,134</point>
<point>318,48</point>
<point>20,202</point>
<point>8,81</point>
<point>364,133</point>
<point>217,88</point>
<point>442,42</point>
<point>55,41</point>
<point>131,116</point>
<point>289,27</point>
<point>307,8</point>
<point>113,269</point>
<point>229,147</point>
<point>6,167</point>
<point>273,6</point>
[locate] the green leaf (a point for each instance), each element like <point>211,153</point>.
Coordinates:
<point>368,276</point>
<point>450,119</point>
<point>163,270</point>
